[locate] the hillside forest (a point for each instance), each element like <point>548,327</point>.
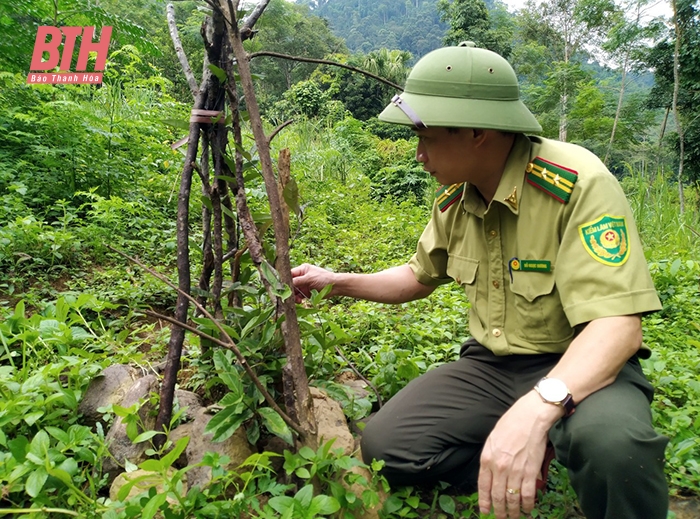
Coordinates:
<point>150,223</point>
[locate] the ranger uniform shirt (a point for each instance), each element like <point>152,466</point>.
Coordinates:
<point>556,248</point>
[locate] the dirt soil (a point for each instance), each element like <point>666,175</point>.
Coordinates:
<point>685,507</point>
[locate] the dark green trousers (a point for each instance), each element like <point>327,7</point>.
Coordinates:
<point>434,429</point>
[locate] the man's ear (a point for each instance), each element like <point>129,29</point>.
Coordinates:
<point>479,136</point>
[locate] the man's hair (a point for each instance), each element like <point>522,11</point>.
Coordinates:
<point>456,130</point>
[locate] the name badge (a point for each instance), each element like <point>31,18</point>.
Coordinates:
<point>534,265</point>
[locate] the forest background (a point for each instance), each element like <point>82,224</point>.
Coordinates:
<point>86,169</point>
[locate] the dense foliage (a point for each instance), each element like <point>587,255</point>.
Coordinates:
<point>84,167</point>
<point>366,25</point>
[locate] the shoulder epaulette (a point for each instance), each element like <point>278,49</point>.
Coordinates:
<point>555,180</point>
<point>448,195</point>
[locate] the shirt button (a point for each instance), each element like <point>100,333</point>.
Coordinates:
<point>493,234</point>
<point>496,284</point>
<point>496,332</point>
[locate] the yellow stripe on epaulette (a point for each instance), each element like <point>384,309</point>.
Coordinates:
<point>448,195</point>
<point>555,180</point>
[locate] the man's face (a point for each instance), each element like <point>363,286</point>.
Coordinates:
<point>448,155</point>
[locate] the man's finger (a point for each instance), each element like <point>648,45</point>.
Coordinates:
<point>513,499</point>
<point>528,492</point>
<point>485,478</point>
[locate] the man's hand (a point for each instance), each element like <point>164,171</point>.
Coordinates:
<point>308,277</point>
<point>512,457</point>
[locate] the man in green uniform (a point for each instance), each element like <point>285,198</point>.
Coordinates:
<point>542,239</point>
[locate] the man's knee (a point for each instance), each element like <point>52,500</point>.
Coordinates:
<point>619,451</point>
<point>372,443</point>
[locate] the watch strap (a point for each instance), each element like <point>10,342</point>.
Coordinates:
<point>568,405</point>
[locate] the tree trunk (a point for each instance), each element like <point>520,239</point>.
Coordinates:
<point>676,112</point>
<point>290,326</point>
<point>184,63</point>
<point>563,117</point>
<point>619,108</point>
<point>207,98</point>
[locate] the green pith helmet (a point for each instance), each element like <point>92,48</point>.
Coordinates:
<point>462,87</point>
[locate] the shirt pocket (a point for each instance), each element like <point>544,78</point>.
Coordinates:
<point>463,271</point>
<point>539,314</point>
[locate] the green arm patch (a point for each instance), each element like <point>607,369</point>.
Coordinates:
<point>606,239</point>
<point>448,195</point>
<point>555,180</point>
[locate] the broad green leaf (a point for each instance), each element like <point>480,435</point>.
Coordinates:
<point>70,466</point>
<point>35,481</point>
<point>413,501</point>
<point>174,454</point>
<point>124,491</point>
<point>269,273</point>
<point>304,495</point>
<point>282,504</point>
<point>79,334</point>
<point>228,374</point>
<point>219,73</point>
<point>252,432</point>
<point>261,318</point>
<point>124,411</point>
<point>19,447</point>
<point>231,399</point>
<point>273,422</point>
<point>407,369</point>
<point>307,453</point>
<point>393,504</point>
<point>291,196</point>
<point>49,327</point>
<point>227,422</point>
<point>151,465</point>
<point>132,429</point>
<point>177,123</point>
<point>153,505</point>
<point>325,505</point>
<point>303,473</point>
<point>226,178</point>
<point>145,436</point>
<point>59,434</point>
<point>243,153</point>
<point>206,202</point>
<point>19,311</point>
<point>61,475</point>
<point>40,444</point>
<point>447,504</point>
<point>675,266</point>
<point>31,418</point>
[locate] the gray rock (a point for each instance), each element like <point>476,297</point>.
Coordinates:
<point>176,435</point>
<point>358,388</point>
<point>236,448</point>
<point>109,387</point>
<point>188,401</point>
<point>331,422</point>
<point>117,441</point>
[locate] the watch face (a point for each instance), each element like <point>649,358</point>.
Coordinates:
<point>553,389</point>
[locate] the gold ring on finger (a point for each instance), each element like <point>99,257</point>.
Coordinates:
<point>513,490</point>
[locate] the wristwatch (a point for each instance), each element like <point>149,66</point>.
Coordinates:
<point>554,391</point>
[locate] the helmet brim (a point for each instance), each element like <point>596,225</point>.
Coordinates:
<point>453,112</point>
